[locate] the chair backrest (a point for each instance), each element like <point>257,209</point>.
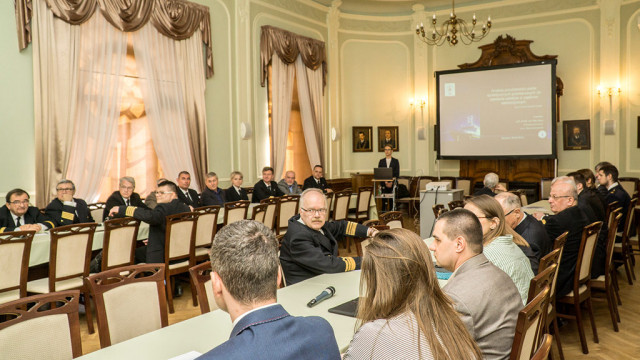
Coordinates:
<point>610,207</point>
<point>15,249</point>
<point>629,184</point>
<point>329,197</point>
<point>406,181</point>
<point>70,252</point>
<point>436,209</point>
<point>207,224</point>
<point>530,326</point>
<point>201,278</point>
<point>611,241</point>
<point>585,254</point>
<point>393,219</point>
<point>522,196</point>
<point>545,188</point>
<point>130,301</point>
<point>258,212</point>
<point>119,242</point>
<point>235,211</point>
<point>364,199</point>
<point>422,183</point>
<point>249,191</point>
<point>341,205</point>
<point>272,210</point>
<point>455,204</point>
<point>544,349</point>
<point>628,221</point>
<point>31,328</point>
<point>551,258</point>
<point>464,183</point>
<point>179,236</point>
<point>448,179</point>
<point>543,279</point>
<point>97,210</point>
<point>504,183</point>
<point>287,207</point>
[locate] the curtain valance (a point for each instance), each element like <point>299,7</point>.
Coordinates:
<point>176,19</point>
<point>288,46</point>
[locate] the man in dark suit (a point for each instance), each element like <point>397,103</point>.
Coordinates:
<point>526,226</point>
<point>601,190</point>
<point>388,140</point>
<point>235,192</point>
<point>212,194</point>
<point>17,215</point>
<point>607,176</point>
<point>262,328</point>
<point>389,161</point>
<point>567,217</point>
<point>317,181</point>
<point>124,196</point>
<point>266,187</point>
<point>65,209</point>
<point>491,185</point>
<point>363,143</point>
<point>188,196</point>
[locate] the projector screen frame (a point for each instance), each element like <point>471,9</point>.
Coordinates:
<point>554,113</point>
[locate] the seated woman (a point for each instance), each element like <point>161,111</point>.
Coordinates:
<point>212,194</point>
<point>402,312</point>
<point>501,245</point>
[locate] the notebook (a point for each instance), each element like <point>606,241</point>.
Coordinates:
<point>348,309</point>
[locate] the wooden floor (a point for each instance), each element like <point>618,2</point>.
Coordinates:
<point>624,344</point>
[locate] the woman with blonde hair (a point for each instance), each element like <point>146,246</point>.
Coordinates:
<point>501,244</point>
<point>402,313</point>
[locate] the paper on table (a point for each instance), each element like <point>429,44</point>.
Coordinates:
<point>187,356</point>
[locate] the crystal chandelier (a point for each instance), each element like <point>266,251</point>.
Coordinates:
<point>453,29</point>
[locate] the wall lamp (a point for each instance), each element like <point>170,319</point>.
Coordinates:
<point>420,102</point>
<point>608,91</point>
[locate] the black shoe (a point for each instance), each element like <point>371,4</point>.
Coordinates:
<point>178,291</point>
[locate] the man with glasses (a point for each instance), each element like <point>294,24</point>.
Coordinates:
<point>65,209</point>
<point>310,246</point>
<point>17,215</point>
<point>124,196</point>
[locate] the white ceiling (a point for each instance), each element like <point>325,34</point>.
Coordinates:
<point>397,7</point>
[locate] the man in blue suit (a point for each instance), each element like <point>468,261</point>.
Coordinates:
<point>245,277</point>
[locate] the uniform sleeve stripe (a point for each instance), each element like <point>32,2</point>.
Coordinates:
<point>2,229</point>
<point>130,210</point>
<point>351,228</point>
<point>349,264</point>
<point>51,224</point>
<point>68,215</point>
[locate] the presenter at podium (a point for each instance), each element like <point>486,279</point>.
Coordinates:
<point>389,161</point>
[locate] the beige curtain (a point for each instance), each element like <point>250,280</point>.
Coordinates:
<point>311,110</point>
<point>282,76</point>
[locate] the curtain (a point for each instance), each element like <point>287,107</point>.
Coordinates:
<point>311,119</point>
<point>160,70</point>
<point>282,79</point>
<point>100,81</point>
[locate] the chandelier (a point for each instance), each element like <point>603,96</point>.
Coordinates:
<point>453,29</point>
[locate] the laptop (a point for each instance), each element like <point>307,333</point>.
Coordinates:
<point>382,173</point>
<point>349,308</point>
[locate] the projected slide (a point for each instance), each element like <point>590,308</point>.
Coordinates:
<point>504,112</point>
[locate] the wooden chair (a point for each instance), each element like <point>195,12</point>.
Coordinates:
<point>504,183</point>
<point>554,257</point>
<point>362,204</point>
<point>634,244</point>
<point>206,228</point>
<point>545,189</point>
<point>15,248</point>
<point>235,211</point>
<point>610,207</point>
<point>464,183</point>
<point>545,348</point>
<point>249,191</point>
<point>544,279</point>
<point>130,301</point>
<point>287,208</point>
<point>119,242</point>
<point>530,327</point>
<point>522,196</point>
<point>329,197</point>
<point>361,243</point>
<point>422,182</point>
<point>179,250</point>
<point>96,210</point>
<point>271,212</point>
<point>373,222</point>
<point>41,327</point>
<point>258,213</point>
<point>622,248</point>
<point>437,209</point>
<point>201,278</point>
<point>455,204</point>
<point>341,205</point>
<point>582,283</point>
<point>448,179</point>
<point>629,184</point>
<point>69,258</point>
<point>393,219</point>
<point>604,282</point>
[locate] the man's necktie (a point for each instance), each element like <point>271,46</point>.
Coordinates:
<point>126,201</point>
<point>186,193</point>
<point>18,222</point>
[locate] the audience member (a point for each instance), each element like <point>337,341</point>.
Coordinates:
<point>484,296</point>
<point>235,192</point>
<point>526,226</point>
<point>289,185</point>
<point>151,200</point>
<point>188,196</point>
<point>124,196</point>
<point>389,161</point>
<point>491,185</point>
<point>503,246</point>
<point>17,215</point>
<point>310,246</point>
<point>212,194</point>
<point>65,209</point>
<point>601,189</point>
<point>591,183</point>
<point>266,187</point>
<point>317,181</point>
<point>402,309</point>
<point>245,277</point>
<point>607,177</point>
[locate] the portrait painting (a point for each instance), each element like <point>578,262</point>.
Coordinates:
<point>388,135</point>
<point>576,135</point>
<point>362,136</point>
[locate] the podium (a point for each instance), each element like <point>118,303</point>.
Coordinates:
<point>430,198</point>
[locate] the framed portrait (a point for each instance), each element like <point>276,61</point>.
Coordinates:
<point>576,135</point>
<point>362,138</point>
<point>388,135</point>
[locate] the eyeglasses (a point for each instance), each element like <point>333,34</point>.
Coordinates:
<point>126,187</point>
<point>19,202</point>
<point>315,211</point>
<point>556,197</point>
<point>507,214</point>
<point>65,189</point>
<point>163,192</point>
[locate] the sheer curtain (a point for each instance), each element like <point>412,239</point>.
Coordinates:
<point>162,85</point>
<point>100,79</point>
<point>282,79</point>
<point>311,109</point>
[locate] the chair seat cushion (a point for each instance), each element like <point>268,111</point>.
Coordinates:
<point>179,265</point>
<point>41,286</point>
<point>202,251</point>
<point>581,290</point>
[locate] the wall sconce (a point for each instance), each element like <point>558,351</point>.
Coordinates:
<point>421,102</point>
<point>608,91</point>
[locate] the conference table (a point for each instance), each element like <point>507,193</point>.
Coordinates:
<point>541,206</point>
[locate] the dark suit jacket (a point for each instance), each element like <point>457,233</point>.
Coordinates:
<point>156,219</point>
<point>484,191</point>
<point>261,191</point>
<point>573,220</point>
<point>391,142</point>
<point>195,199</point>
<point>271,333</point>
<point>210,197</point>
<point>63,214</point>
<point>232,195</point>
<point>533,231</point>
<point>395,165</point>
<point>116,200</point>
<point>310,182</point>
<point>362,145</point>
<point>32,216</point>
<point>619,194</point>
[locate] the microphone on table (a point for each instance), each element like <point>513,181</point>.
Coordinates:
<point>325,294</point>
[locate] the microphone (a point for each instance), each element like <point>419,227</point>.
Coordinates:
<point>325,294</point>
